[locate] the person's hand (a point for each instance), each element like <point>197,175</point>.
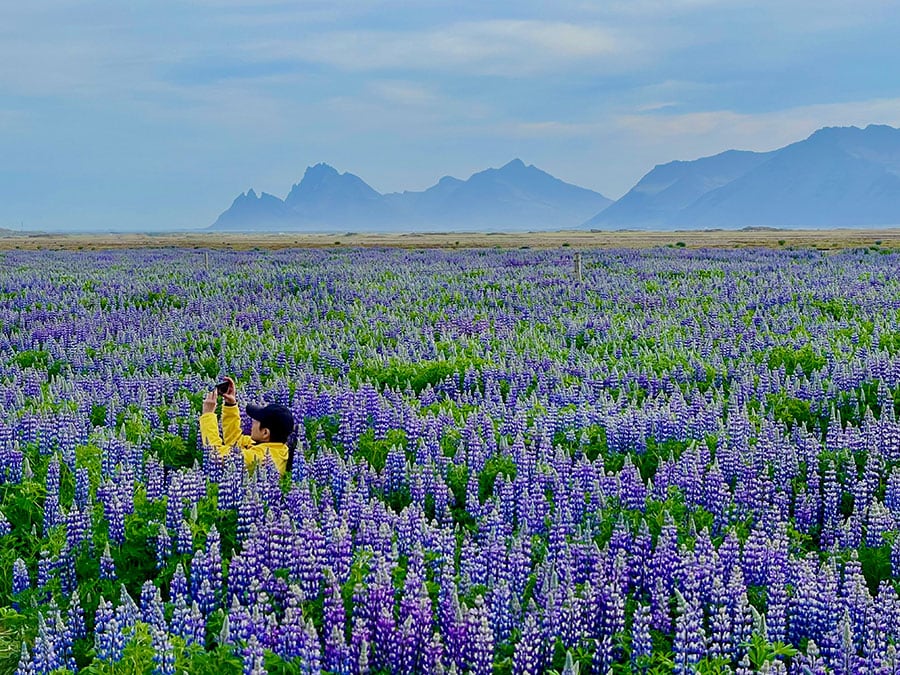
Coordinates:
<point>209,403</point>
<point>230,396</point>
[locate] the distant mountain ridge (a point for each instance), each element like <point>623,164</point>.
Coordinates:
<point>837,177</point>
<point>513,197</point>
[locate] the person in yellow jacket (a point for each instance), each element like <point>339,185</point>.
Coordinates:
<point>272,425</point>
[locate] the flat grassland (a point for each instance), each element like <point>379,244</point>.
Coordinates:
<point>749,237</point>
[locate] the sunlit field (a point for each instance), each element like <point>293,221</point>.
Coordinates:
<point>687,461</point>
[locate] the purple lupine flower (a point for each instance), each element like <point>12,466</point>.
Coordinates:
<point>107,565</point>
<point>155,479</point>
<point>152,610</point>
<point>845,660</point>
<point>433,655</point>
<point>75,617</point>
<point>895,558</point>
<point>109,636</point>
<point>480,650</point>
<point>311,652</point>
<point>127,612</point>
<point>776,606</point>
<point>250,512</point>
<point>501,611</point>
<point>82,487</point>
<point>334,623</point>
<point>254,657</point>
<point>5,527</point>
<point>163,652</point>
<point>45,566</point>
<point>46,657</point>
<point>184,544</point>
<point>811,662</point>
<point>239,623</point>
<point>194,626</point>
<point>641,642</point>
<point>77,526</point>
<point>25,666</point>
<point>720,625</point>
<point>689,643</point>
<point>182,624</point>
<point>452,624</point>
<point>528,658</point>
<point>178,587</point>
<point>21,580</point>
<point>360,638</point>
<point>292,634</point>
<point>163,546</point>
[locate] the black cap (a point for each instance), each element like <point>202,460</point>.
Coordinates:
<point>274,417</point>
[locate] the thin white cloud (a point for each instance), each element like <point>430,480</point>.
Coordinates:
<point>502,47</point>
<point>403,93</point>
<point>708,132</point>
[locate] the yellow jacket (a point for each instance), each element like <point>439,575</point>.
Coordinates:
<point>231,429</point>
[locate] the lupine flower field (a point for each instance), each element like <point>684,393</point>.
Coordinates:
<point>689,462</point>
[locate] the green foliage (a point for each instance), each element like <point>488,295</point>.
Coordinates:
<point>889,341</point>
<point>222,660</point>
<point>805,357</point>
<point>792,411</point>
<point>760,651</point>
<point>136,557</point>
<point>173,452</point>
<point>876,565</point>
<point>98,415</point>
<point>417,376</point>
<point>835,308</point>
<point>497,464</point>
<point>32,358</point>
<point>375,451</point>
<point>15,628</point>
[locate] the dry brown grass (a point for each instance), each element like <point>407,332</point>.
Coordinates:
<point>821,239</point>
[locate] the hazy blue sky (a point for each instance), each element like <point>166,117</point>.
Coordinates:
<point>157,114</point>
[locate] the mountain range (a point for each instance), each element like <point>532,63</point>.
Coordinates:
<point>837,177</point>
<point>513,197</point>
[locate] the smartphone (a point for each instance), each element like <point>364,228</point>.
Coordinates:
<point>223,387</point>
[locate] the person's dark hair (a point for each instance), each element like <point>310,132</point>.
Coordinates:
<point>275,437</point>
<point>292,446</point>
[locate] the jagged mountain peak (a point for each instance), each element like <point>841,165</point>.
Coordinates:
<point>516,196</point>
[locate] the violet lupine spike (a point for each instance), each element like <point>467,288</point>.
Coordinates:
<point>311,652</point>
<point>21,579</point>
<point>109,635</point>
<point>25,666</point>
<point>689,643</point>
<point>334,623</point>
<point>75,617</point>
<point>528,657</point>
<point>184,543</point>
<point>360,641</point>
<point>107,566</point>
<point>163,652</point>
<point>254,657</point>
<point>480,652</point>
<point>46,657</point>
<point>641,641</point>
<point>163,546</point>
<point>239,623</point>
